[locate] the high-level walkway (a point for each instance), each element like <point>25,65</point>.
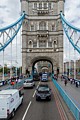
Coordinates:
<point>72,91</point>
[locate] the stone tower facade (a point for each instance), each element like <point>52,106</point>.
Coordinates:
<point>42,34</point>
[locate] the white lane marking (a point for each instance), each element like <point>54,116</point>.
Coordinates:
<point>34,93</point>
<point>35,90</point>
<point>26,110</point>
<point>38,84</point>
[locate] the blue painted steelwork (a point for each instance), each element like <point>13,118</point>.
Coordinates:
<point>71,26</point>
<point>12,25</point>
<point>19,23</point>
<point>64,22</point>
<point>73,108</point>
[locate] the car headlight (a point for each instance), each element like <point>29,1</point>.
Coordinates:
<point>37,94</point>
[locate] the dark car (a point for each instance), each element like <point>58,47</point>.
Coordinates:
<point>43,92</point>
<point>36,77</point>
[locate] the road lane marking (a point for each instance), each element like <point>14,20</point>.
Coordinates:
<point>38,84</point>
<point>26,110</point>
<point>35,90</point>
<point>34,93</point>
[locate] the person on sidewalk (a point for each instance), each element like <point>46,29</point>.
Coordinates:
<point>71,80</point>
<point>65,82</point>
<point>76,84</point>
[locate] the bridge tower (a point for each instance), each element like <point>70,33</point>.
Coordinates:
<point>42,34</point>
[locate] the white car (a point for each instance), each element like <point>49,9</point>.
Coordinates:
<point>1,83</point>
<point>28,83</point>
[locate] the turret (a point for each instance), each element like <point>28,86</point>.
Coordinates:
<point>24,6</point>
<point>61,6</point>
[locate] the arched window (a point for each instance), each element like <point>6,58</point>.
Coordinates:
<point>42,25</point>
<point>30,44</point>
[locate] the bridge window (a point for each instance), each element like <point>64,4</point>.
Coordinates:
<point>53,27</point>
<point>45,5</point>
<point>34,44</point>
<point>49,44</point>
<point>30,44</point>
<point>42,43</point>
<point>42,26</point>
<point>49,5</point>
<point>32,27</point>
<point>35,5</point>
<point>40,5</point>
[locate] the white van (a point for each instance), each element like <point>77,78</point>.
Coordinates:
<point>9,101</point>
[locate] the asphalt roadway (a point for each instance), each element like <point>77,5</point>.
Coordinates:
<point>40,110</point>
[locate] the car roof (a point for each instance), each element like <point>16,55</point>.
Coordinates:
<point>28,79</point>
<point>43,85</point>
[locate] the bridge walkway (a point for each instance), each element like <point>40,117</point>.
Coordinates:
<point>72,91</point>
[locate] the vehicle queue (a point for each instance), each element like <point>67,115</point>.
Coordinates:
<point>9,96</point>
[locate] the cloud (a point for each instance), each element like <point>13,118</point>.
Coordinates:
<point>2,7</point>
<point>72,15</point>
<point>10,12</point>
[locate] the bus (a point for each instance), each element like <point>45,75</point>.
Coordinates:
<point>44,77</point>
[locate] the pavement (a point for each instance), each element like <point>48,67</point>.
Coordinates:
<point>72,91</point>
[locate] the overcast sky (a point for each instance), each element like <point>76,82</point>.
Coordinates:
<point>10,12</point>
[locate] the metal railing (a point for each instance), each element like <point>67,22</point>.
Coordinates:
<point>73,108</point>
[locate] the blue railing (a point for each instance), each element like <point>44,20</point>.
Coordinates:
<point>73,108</point>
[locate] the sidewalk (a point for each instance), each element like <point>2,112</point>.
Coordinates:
<point>72,91</point>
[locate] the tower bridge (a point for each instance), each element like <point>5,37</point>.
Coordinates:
<point>42,24</point>
<point>42,33</point>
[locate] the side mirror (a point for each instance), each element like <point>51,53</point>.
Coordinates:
<point>50,89</point>
<point>22,93</point>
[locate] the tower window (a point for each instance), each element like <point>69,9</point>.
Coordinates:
<point>40,5</point>
<point>42,26</point>
<point>45,5</point>
<point>35,5</point>
<point>49,44</point>
<point>53,27</point>
<point>34,44</point>
<point>42,43</point>
<point>32,27</point>
<point>49,5</point>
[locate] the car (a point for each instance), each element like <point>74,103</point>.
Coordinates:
<point>28,83</point>
<point>1,83</point>
<point>36,77</point>
<point>43,92</point>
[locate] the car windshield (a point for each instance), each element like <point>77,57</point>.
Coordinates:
<point>43,89</point>
<point>29,80</point>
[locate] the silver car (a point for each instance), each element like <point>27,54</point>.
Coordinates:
<point>28,83</point>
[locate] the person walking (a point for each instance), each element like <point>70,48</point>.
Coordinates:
<point>65,82</point>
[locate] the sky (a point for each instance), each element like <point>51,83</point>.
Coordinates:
<point>10,12</point>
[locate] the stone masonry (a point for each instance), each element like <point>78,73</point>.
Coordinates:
<point>42,33</point>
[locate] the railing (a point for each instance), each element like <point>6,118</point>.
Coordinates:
<point>73,108</point>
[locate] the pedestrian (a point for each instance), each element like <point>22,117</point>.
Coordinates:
<point>16,80</point>
<point>71,80</point>
<point>76,84</point>
<point>65,82</point>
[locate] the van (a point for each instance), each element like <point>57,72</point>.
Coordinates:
<point>9,102</point>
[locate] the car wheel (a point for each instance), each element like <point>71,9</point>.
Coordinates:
<point>13,113</point>
<point>49,99</point>
<point>22,102</point>
<point>37,99</point>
